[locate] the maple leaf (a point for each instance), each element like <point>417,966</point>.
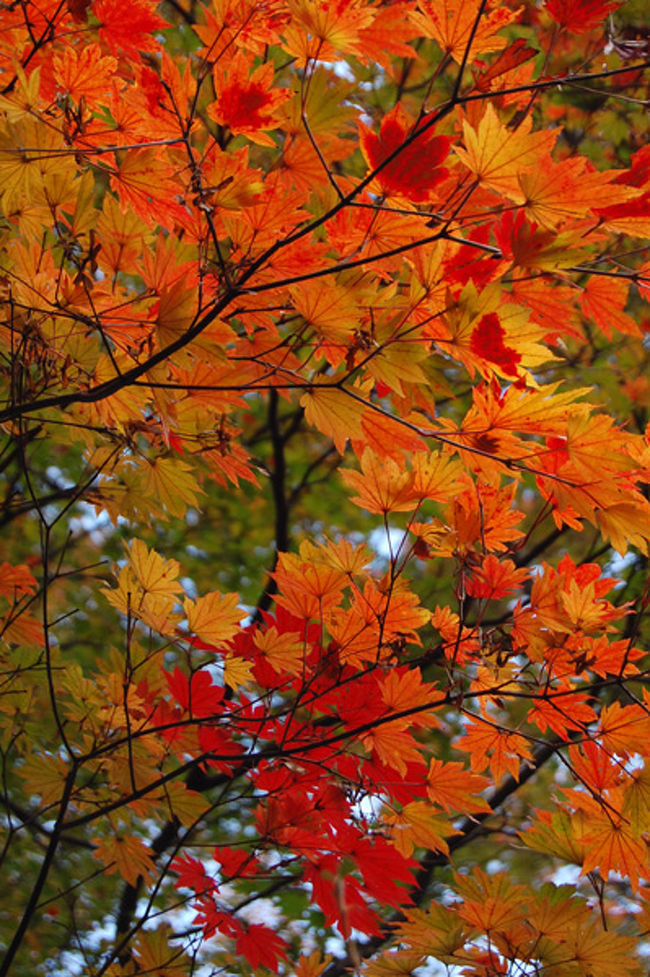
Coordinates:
<point>285,652</point>
<point>489,745</point>
<point>455,25</point>
<point>334,413</point>
<point>456,789</point>
<point>45,775</point>
<point>559,834</point>
<point>393,745</point>
<point>308,586</point>
<point>246,103</point>
<point>612,846</point>
<point>556,192</point>
<point>624,729</point>
<point>312,965</point>
<point>236,671</point>
<point>172,483</point>
<point>388,437</point>
<point>145,183</point>
<point>497,155</point>
<point>199,696</point>
<point>403,689</point>
<point>636,805</point>
<point>128,31</point>
<point>487,342</point>
<point>81,73</point>
<point>596,950</point>
<point>261,946</point>
<point>491,902</point>
<point>155,953</point>
<point>580,16</point>
<point>125,854</point>
<point>418,826</point>
<point>382,485</point>
<point>506,61</point>
<point>153,573</point>
<point>405,176</point>
<point>496,578</point>
<point>16,581</point>
<point>318,30</point>
<point>604,302</point>
<point>562,712</point>
<point>214,618</point>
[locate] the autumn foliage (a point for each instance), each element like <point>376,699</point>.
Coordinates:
<point>324,397</point>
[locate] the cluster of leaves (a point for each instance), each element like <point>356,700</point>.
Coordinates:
<point>323,325</point>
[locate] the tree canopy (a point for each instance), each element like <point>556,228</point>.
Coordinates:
<point>324,399</point>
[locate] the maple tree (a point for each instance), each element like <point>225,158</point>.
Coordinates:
<point>324,392</point>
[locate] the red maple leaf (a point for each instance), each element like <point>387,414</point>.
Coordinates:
<point>580,16</point>
<point>416,169</point>
<point>201,697</point>
<point>487,342</point>
<point>261,947</point>
<point>192,875</point>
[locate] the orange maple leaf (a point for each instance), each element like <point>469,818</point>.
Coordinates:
<point>125,854</point>
<point>454,23</point>
<point>382,485</point>
<point>129,29</point>
<point>456,789</point>
<point>490,745</point>
<point>496,578</point>
<point>612,846</point>
<point>246,103</point>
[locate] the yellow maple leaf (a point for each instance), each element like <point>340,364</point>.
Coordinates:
<point>556,192</point>
<point>491,900</point>
<point>393,963</point>
<point>559,834</point>
<point>341,555</point>
<point>22,628</point>
<point>418,826</point>
<point>308,587</point>
<point>333,413</point>
<point>626,524</point>
<point>147,588</point>
<point>497,155</point>
<point>185,804</point>
<point>44,775</point>
<point>153,573</point>
<point>636,804</point>
<point>435,476</point>
<point>319,31</point>
<point>172,484</point>
<point>215,617</point>
<point>236,671</point>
